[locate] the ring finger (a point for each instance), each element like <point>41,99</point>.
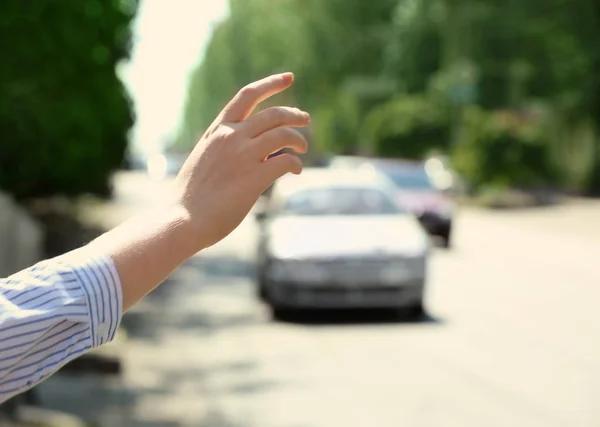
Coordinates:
<point>276,139</point>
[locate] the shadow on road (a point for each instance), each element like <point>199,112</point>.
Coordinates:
<point>202,298</point>
<point>354,317</point>
<point>217,419</point>
<point>111,403</point>
<point>177,305</point>
<point>89,397</point>
<point>140,325</point>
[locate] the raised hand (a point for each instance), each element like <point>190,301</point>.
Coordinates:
<point>229,167</point>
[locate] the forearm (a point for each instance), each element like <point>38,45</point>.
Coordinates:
<point>147,249</point>
<point>60,308</point>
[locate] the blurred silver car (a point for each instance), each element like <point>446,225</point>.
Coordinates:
<point>337,239</point>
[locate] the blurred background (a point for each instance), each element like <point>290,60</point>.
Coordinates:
<point>481,120</point>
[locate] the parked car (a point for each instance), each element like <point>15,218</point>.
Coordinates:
<point>337,239</point>
<point>415,191</point>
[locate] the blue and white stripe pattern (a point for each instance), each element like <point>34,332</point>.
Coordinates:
<point>52,313</point>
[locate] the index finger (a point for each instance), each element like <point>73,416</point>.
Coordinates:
<point>246,100</point>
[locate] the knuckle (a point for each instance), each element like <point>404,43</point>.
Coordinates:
<point>295,136</point>
<point>278,137</point>
<point>248,91</point>
<point>296,113</point>
<point>293,164</point>
<point>299,117</point>
<point>291,160</point>
<point>277,114</point>
<point>224,131</point>
<point>286,160</point>
<point>281,133</point>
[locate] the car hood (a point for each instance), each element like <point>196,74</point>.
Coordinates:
<point>334,236</point>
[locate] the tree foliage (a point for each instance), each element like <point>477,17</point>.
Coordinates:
<point>64,113</point>
<point>397,78</point>
<point>497,145</point>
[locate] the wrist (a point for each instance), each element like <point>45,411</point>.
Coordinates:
<point>181,230</point>
<point>169,229</point>
<point>147,249</point>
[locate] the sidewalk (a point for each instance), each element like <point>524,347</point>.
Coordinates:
<point>168,333</point>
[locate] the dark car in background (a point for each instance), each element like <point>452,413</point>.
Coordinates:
<point>416,191</point>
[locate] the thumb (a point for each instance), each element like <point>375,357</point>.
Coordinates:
<point>278,166</point>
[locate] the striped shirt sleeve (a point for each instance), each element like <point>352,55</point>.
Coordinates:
<point>52,313</point>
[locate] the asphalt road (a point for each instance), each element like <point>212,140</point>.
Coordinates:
<point>512,339</point>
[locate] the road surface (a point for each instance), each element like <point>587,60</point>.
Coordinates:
<point>512,339</point>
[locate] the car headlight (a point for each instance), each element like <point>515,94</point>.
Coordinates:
<point>394,273</point>
<point>403,269</point>
<point>418,264</point>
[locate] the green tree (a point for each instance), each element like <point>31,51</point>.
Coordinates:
<point>64,113</point>
<point>390,77</point>
<point>408,127</point>
<point>325,43</point>
<point>241,49</point>
<point>413,53</point>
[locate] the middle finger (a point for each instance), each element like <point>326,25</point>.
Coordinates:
<point>274,117</point>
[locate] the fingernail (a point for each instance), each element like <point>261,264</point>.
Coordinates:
<point>288,76</point>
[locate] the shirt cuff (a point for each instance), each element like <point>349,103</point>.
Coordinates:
<point>101,285</point>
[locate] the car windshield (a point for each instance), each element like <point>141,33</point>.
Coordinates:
<point>340,201</point>
<point>410,179</point>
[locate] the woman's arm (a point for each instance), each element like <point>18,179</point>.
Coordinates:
<point>55,311</point>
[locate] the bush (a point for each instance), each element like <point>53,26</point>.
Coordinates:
<point>505,149</point>
<point>64,113</point>
<point>408,127</point>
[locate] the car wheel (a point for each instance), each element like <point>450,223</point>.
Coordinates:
<point>446,238</point>
<point>417,311</point>
<point>413,312</point>
<point>261,290</point>
<point>280,313</point>
<point>260,287</point>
